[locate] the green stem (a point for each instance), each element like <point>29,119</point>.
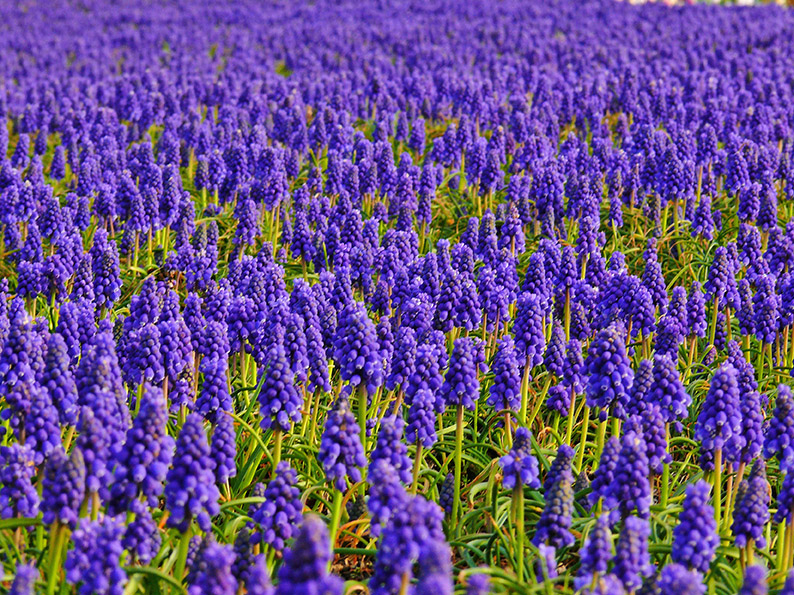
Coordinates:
<point>583,443</point>
<point>713,330</point>
<point>307,406</point>
<point>458,453</point>
<point>362,423</point>
<point>278,437</point>
<point>571,416</point>
<point>732,495</point>
<point>55,556</point>
<point>718,486</point>
<point>666,471</point>
<point>602,432</point>
<point>362,415</point>
<point>94,505</point>
<point>539,402</point>
<point>760,364</point>
<point>524,393</point>
<point>518,502</point>
<point>780,545</point>
<point>314,414</point>
<point>417,465</point>
<point>790,547</point>
<point>405,583</point>
<point>181,558</point>
<point>336,517</point>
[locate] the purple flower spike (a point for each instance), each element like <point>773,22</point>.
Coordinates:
<point>356,348</point>
<point>304,569</point>
<point>190,490</point>
<point>461,382</point>
<point>675,578</point>
<point>555,521</point>
<point>695,537</point>
<point>341,452</point>
<point>93,564</point>
<point>520,466</point>
<point>610,374</point>
<point>279,515</point>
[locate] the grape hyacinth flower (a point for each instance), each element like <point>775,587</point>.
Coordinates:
<point>223,448</point>
<point>668,391</point>
<point>258,582</point>
<point>519,466</point>
<point>341,452</point>
<point>93,564</point>
<point>243,555</point>
<point>719,421</point>
<point>785,500</point>
<point>676,578</point>
<point>356,348</point>
<point>305,565</point>
<point>754,581</point>
<point>779,437</point>
<point>696,311</point>
<point>554,356</point>
<point>766,306</point>
<point>604,474</point>
<point>610,375</point>
<point>528,329</point>
<point>461,388</point>
<point>695,537</point>
<point>630,489</point>
<point>18,497</point>
<point>212,573</point>
<point>478,584</point>
<point>461,382</point>
<point>58,380</point>
<point>421,427</point>
<point>404,358</point>
<point>409,530</point>
<point>213,397</point>
<point>142,536</point>
<point>278,398</point>
<point>751,437</point>
<point>63,487</point>
<point>554,524</point>
<point>506,388</point>
<point>190,490</point>
<point>24,580</point>
<point>520,469</point>
<point>446,493</point>
<point>650,424</point>
<point>430,358</point>
<point>546,562</point>
<point>144,459</point>
<point>357,352</point>
<point>386,495</point>
<point>632,561</point>
<point>435,569</point>
<point>389,447</point>
<point>595,553</point>
<point>42,430</point>
<point>752,508</point>
<point>279,515</point>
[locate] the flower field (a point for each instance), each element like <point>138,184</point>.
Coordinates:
<point>396,297</point>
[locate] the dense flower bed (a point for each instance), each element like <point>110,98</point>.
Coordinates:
<point>396,297</point>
